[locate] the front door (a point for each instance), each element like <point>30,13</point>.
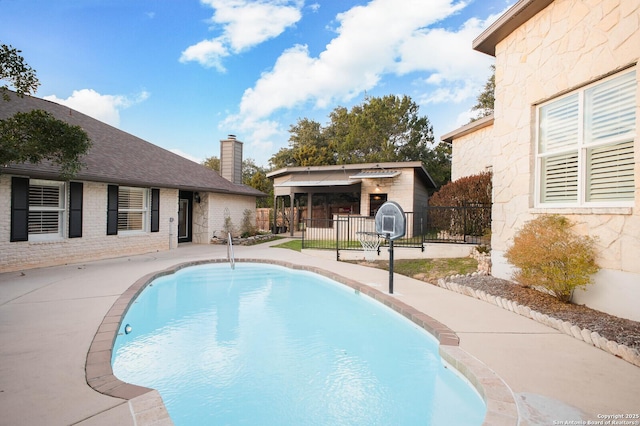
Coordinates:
<point>185,211</point>
<point>375,202</point>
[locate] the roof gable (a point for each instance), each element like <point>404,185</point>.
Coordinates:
<point>119,157</point>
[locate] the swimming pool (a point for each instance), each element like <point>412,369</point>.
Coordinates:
<point>266,344</point>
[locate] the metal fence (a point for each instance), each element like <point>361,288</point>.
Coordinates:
<point>467,224</point>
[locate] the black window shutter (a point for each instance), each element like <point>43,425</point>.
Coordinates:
<point>19,209</point>
<point>112,210</point>
<point>75,209</point>
<point>155,210</point>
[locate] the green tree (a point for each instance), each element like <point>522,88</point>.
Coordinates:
<point>486,99</point>
<point>381,129</point>
<point>438,163</point>
<point>308,146</point>
<point>256,177</point>
<point>213,163</point>
<point>252,175</point>
<point>13,69</point>
<point>36,135</point>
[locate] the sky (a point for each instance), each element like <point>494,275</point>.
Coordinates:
<point>184,74</point>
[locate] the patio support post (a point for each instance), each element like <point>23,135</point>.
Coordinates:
<point>291,217</point>
<point>275,214</point>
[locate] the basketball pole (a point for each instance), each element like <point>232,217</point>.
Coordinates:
<point>390,263</point>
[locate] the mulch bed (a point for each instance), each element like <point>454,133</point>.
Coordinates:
<point>621,330</point>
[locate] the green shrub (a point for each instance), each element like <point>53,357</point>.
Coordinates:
<point>548,254</point>
<point>247,227</point>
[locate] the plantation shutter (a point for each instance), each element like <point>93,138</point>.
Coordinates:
<point>560,178</point>
<point>559,132</point>
<point>610,109</point>
<point>19,209</point>
<point>155,210</point>
<point>112,210</point>
<point>610,172</point>
<point>610,116</point>
<point>559,124</point>
<point>75,209</point>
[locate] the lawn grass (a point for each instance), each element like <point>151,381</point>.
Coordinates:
<point>428,269</point>
<point>292,245</point>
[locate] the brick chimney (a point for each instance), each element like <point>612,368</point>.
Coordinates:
<point>231,159</point>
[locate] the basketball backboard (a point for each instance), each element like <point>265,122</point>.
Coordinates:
<point>391,221</point>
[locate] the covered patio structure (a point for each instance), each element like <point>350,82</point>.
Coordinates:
<point>318,193</point>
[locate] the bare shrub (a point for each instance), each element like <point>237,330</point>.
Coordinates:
<point>247,226</point>
<point>548,254</point>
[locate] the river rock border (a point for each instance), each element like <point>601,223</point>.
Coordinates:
<point>628,354</point>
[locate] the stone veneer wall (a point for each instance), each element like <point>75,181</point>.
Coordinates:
<point>569,44</point>
<point>94,243</point>
<point>471,153</point>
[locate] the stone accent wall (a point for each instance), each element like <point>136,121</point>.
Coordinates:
<point>568,45</point>
<point>94,243</point>
<point>201,234</point>
<point>471,153</point>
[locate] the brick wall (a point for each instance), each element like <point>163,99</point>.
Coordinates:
<point>234,205</point>
<point>94,243</point>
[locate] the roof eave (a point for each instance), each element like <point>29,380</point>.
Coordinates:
<point>352,166</point>
<point>468,128</point>
<point>35,173</point>
<point>512,19</point>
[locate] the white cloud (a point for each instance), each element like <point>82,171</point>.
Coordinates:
<point>245,24</point>
<point>383,37</point>
<point>105,108</point>
<point>257,135</point>
<point>371,41</point>
<point>207,52</point>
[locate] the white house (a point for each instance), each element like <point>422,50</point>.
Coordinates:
<point>130,197</point>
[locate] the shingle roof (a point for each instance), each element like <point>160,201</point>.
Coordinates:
<point>119,157</point>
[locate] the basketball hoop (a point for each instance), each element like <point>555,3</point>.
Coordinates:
<point>370,243</point>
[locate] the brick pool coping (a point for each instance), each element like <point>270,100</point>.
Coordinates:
<point>146,404</point>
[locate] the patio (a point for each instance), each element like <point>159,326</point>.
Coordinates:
<point>49,317</point>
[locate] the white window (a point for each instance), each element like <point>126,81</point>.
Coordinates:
<point>585,146</point>
<point>133,207</point>
<point>46,209</point>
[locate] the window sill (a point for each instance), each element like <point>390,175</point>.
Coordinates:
<point>583,210</point>
<point>50,240</point>
<point>131,233</point>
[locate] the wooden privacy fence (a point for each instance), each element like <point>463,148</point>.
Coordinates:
<point>263,221</point>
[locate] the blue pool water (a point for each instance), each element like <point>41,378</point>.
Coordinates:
<point>264,344</point>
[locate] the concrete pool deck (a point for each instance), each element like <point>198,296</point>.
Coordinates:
<point>49,317</point>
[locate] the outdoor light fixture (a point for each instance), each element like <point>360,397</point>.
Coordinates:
<point>127,329</point>
<point>196,197</point>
